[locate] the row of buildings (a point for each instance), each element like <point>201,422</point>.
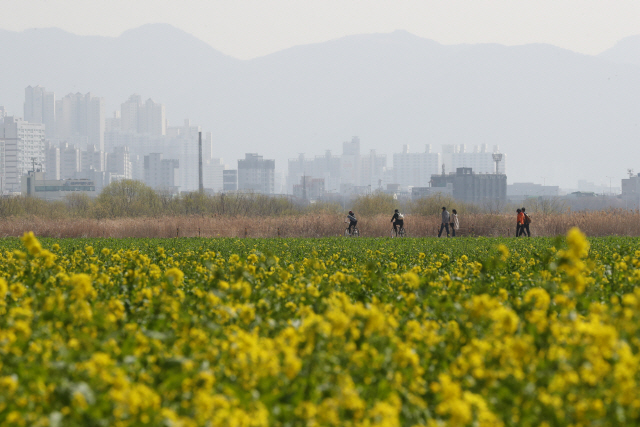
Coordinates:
<point>70,139</point>
<point>357,172</point>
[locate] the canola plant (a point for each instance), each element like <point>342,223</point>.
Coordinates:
<point>319,332</point>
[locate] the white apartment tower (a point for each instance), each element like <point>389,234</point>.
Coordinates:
<point>92,159</point>
<point>480,160</point>
<point>80,120</point>
<point>183,145</point>
<point>212,172</point>
<point>70,161</point>
<point>350,162</point>
<point>24,151</point>
<point>256,174</point>
<point>129,114</point>
<point>415,169</point>
<point>119,162</point>
<point>138,117</point>
<point>159,173</point>
<point>39,107</point>
<point>52,161</point>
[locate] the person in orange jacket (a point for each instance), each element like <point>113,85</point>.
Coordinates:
<point>519,223</point>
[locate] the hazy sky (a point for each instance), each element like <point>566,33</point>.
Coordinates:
<point>250,28</point>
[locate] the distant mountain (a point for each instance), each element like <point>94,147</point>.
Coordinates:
<point>626,51</point>
<point>557,114</point>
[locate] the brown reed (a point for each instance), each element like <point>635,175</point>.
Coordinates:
<point>601,223</point>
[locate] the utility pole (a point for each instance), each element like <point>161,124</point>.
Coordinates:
<point>304,186</point>
<point>610,188</point>
<point>200,180</point>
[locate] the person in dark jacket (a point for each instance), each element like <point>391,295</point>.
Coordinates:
<point>445,221</point>
<point>398,221</point>
<point>352,220</point>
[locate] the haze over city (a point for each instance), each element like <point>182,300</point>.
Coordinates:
<point>554,85</point>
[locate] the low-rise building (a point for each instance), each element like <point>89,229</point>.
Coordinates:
<point>421,192</point>
<point>473,188</point>
<point>631,190</point>
<point>529,189</point>
<point>35,184</point>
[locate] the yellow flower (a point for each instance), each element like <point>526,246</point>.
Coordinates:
<point>175,275</point>
<point>31,243</point>
<point>9,384</point>
<point>578,243</point>
<point>82,287</point>
<point>504,252</point>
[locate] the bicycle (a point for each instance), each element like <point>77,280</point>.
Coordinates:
<point>400,233</point>
<point>354,233</point>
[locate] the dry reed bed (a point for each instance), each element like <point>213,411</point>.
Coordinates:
<point>620,222</point>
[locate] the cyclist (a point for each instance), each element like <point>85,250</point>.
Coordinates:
<point>352,221</point>
<point>398,221</point>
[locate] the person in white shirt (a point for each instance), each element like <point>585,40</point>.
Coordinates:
<point>454,222</point>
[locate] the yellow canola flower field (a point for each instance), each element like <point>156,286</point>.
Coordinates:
<point>320,332</point>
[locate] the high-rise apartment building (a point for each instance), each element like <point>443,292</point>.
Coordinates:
<point>52,161</point>
<point>139,117</point>
<point>340,173</point>
<point>350,162</point>
<point>129,113</point>
<point>212,175</point>
<point>80,120</point>
<point>159,173</point>
<point>70,161</point>
<point>372,169</point>
<point>119,162</point>
<point>256,174</point>
<point>181,142</point>
<point>24,151</point>
<point>480,159</point>
<point>297,168</point>
<point>39,107</point>
<point>415,169</point>
<point>92,159</point>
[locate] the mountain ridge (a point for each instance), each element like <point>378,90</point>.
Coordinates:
<point>548,108</point>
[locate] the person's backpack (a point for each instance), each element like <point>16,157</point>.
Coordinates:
<point>527,219</point>
<point>400,216</point>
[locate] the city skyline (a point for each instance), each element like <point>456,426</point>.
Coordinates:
<point>151,121</point>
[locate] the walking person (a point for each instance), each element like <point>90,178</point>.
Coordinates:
<point>445,221</point>
<point>454,222</point>
<point>519,222</point>
<point>525,224</point>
